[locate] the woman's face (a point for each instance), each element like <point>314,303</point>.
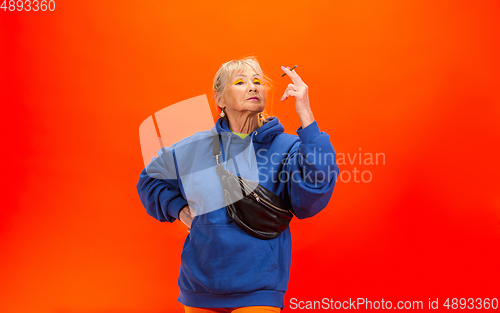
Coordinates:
<point>244,92</point>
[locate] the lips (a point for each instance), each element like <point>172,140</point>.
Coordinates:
<point>253,98</point>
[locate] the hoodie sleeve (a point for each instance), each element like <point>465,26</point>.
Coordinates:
<point>159,188</point>
<point>312,171</point>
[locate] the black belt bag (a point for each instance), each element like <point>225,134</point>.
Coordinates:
<point>256,210</point>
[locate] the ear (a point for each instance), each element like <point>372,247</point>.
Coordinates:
<point>219,100</point>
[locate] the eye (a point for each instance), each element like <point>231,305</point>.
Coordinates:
<point>257,81</point>
<point>238,82</point>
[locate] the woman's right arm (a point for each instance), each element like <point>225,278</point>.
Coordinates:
<point>159,187</point>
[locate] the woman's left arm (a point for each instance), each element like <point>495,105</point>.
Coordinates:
<point>311,164</point>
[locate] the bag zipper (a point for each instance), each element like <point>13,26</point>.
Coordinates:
<point>250,192</point>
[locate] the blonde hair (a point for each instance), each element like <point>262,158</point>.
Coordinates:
<point>228,69</point>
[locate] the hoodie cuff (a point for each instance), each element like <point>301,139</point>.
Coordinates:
<point>309,133</point>
<point>175,206</point>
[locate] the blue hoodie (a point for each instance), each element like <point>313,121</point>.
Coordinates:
<point>221,265</point>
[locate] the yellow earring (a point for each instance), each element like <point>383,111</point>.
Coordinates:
<point>222,114</point>
<point>261,115</point>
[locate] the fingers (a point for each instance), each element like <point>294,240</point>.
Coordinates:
<point>289,93</point>
<point>192,211</point>
<point>290,88</point>
<point>189,211</point>
<point>293,75</point>
<point>186,216</point>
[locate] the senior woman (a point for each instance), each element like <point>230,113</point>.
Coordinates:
<point>223,267</point>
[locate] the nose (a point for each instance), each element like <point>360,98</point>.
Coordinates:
<point>252,87</point>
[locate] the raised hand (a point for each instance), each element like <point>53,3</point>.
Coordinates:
<point>300,91</point>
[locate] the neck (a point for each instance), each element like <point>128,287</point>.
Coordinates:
<point>244,124</point>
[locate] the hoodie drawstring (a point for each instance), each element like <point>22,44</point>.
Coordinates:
<point>250,148</point>
<point>226,153</point>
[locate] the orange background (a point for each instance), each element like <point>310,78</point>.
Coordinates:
<point>415,80</point>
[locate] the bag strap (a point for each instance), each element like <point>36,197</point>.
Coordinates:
<point>216,153</point>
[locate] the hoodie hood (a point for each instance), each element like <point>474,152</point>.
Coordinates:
<point>263,134</point>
